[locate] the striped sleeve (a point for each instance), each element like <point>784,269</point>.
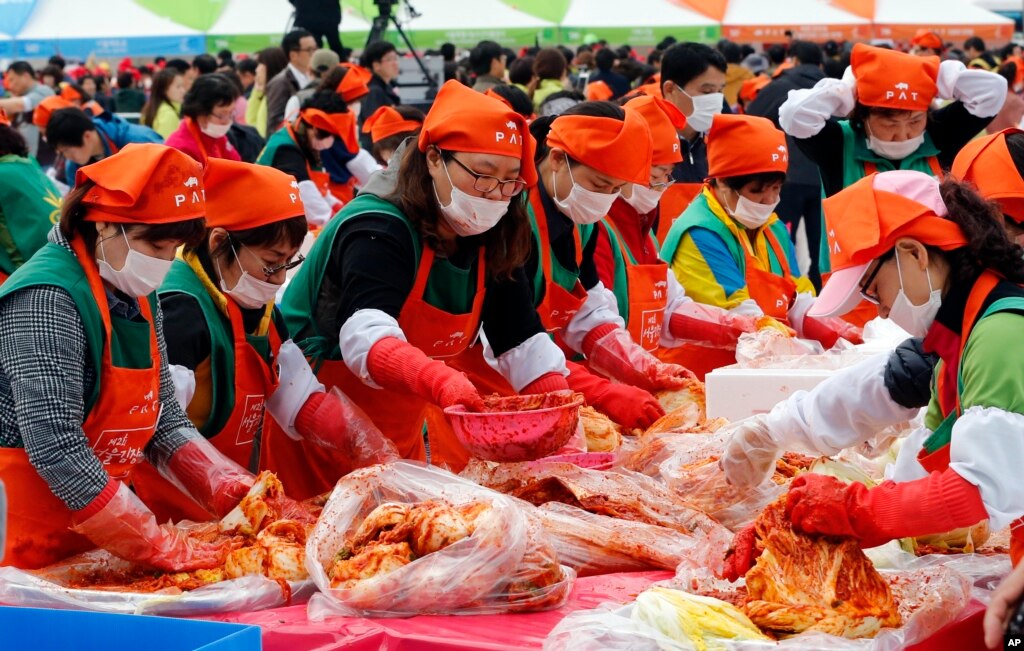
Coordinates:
<point>707,270</point>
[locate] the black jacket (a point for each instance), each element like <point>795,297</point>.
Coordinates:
<point>381,94</point>
<point>317,14</point>
<point>802,170</point>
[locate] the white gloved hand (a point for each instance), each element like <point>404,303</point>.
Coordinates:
<point>805,111</point>
<point>297,383</point>
<point>982,93</point>
<point>362,166</point>
<point>184,380</point>
<point>803,303</point>
<point>750,453</point>
<point>318,211</point>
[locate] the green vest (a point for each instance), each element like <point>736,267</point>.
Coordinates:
<point>620,254</point>
<point>183,280</point>
<point>29,207</point>
<point>855,155</point>
<point>280,138</point>
<point>449,288</point>
<point>564,278</point>
<point>699,215</point>
<point>55,266</point>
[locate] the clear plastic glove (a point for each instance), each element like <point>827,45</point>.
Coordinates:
<point>210,478</point>
<point>750,453</point>
<point>828,330</point>
<point>614,354</point>
<point>628,406</point>
<point>332,420</point>
<point>397,364</point>
<point>126,528</point>
<point>709,325</point>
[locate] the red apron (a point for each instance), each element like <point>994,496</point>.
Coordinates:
<point>255,381</point>
<point>949,402</point>
<point>118,427</point>
<point>440,335</point>
<point>647,289</point>
<point>194,130</point>
<point>558,306</point>
<point>674,201</point>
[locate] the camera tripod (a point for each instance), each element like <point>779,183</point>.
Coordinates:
<point>380,27</point>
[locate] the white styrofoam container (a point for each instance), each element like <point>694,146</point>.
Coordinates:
<point>734,393</point>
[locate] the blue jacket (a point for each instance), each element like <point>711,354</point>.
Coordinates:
<point>120,132</point>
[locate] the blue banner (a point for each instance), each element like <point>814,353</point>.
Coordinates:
<point>140,46</point>
<point>13,14</point>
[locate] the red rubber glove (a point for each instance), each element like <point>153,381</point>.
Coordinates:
<point>709,325</point>
<point>546,384</point>
<point>940,502</point>
<point>120,523</point>
<point>828,330</point>
<point>398,365</point>
<point>628,406</point>
<point>741,555</point>
<point>611,352</point>
<point>210,478</point>
<point>332,420</point>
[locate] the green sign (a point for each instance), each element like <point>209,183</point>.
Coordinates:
<point>197,14</point>
<point>640,35</point>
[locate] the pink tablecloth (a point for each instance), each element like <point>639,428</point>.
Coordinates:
<point>288,629</point>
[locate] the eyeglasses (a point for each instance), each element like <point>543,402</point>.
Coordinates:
<point>484,183</point>
<point>662,186</point>
<point>873,298</point>
<point>270,271</point>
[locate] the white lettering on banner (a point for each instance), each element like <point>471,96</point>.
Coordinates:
<point>252,419</point>
<point>121,446</point>
<point>650,333</point>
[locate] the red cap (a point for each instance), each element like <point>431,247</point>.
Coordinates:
<point>340,125</point>
<point>895,80</point>
<point>664,120</point>
<point>622,149</point>
<point>355,83</point>
<point>744,144</point>
<point>386,122</point>
<point>240,196</point>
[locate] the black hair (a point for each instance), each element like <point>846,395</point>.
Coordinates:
<point>274,59</point>
<point>207,93</point>
<point>541,127</point>
<point>392,142</point>
<point>776,54</point>
<point>684,62</point>
<point>205,64</point>
<point>58,61</point>
<point>233,77</point>
<point>1006,50</point>
<point>831,48</point>
<point>125,80</point>
<point>654,58</point>
<point>834,68</point>
<point>291,231</point>
<point>247,66</point>
<point>160,59</point>
<point>521,70</point>
<point>567,54</point>
<point>181,65</point>
<point>732,52</point>
<point>510,56</point>
<point>225,56</point>
<point>520,102</point>
<point>550,63</point>
<point>146,70</point>
<point>67,127</point>
<point>158,94</point>
<point>292,40</point>
<point>988,245</point>
<point>72,222</point>
<point>374,52</point>
<point>327,101</point>
<point>746,50</point>
<point>806,52</point>
<point>12,142</point>
<point>737,183</point>
<point>21,68</point>
<point>332,79</point>
<point>448,51</point>
<point>1008,71</point>
<point>975,43</point>
<point>52,71</point>
<point>666,43</point>
<point>481,56</point>
<point>605,59</point>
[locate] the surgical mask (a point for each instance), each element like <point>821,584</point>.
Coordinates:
<point>915,319</point>
<point>643,199</point>
<point>216,130</point>
<point>140,275</point>
<point>583,206</point>
<point>248,292</point>
<point>320,144</point>
<point>752,214</point>
<point>469,215</point>
<point>705,108</point>
<point>895,150</point>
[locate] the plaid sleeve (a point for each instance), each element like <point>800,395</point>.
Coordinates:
<point>43,358</point>
<point>174,428</point>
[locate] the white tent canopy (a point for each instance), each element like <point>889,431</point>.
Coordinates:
<point>790,12</point>
<point>269,17</point>
<point>1000,5</point>
<point>640,13</point>
<point>935,12</point>
<point>476,15</point>
<point>72,19</point>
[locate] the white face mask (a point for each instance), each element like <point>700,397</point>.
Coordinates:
<point>915,319</point>
<point>469,215</point>
<point>216,130</point>
<point>140,275</point>
<point>705,108</point>
<point>752,214</point>
<point>248,292</point>
<point>355,107</point>
<point>320,144</point>
<point>644,199</point>
<point>895,150</point>
<point>583,206</point>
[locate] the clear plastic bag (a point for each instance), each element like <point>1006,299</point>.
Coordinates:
<point>505,565</point>
<point>47,588</point>
<point>597,544</point>
<point>610,627</point>
<point>769,346</point>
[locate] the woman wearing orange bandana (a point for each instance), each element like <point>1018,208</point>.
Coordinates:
<point>592,152</point>
<point>296,150</point>
<point>935,260</point>
<point>84,380</point>
<point>401,279</point>
<point>730,250</point>
<point>389,126</point>
<point>879,117</point>
<point>994,165</point>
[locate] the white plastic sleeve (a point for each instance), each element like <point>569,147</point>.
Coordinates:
<point>986,449</point>
<point>296,383</point>
<point>600,307</point>
<point>363,166</point>
<point>358,335</point>
<point>532,359</point>
<point>318,211</point>
<point>676,298</point>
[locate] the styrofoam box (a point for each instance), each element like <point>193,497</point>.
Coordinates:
<point>734,393</point>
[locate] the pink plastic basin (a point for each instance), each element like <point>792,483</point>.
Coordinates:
<point>518,428</point>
